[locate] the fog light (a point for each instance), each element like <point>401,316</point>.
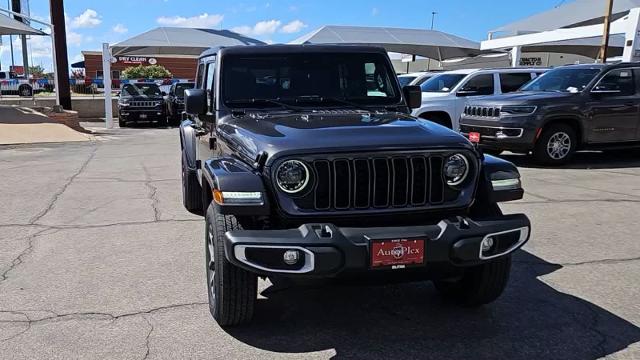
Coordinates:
<point>487,244</point>
<point>291,257</point>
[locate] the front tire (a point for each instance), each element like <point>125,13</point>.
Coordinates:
<point>479,284</point>
<point>556,145</point>
<point>25,91</point>
<point>122,122</point>
<point>232,291</point>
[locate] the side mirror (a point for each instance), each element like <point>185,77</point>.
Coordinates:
<point>413,96</point>
<point>195,101</point>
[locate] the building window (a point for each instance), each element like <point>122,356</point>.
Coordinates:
<point>115,74</point>
<point>99,74</point>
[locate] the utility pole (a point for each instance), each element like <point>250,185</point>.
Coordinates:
<point>16,6</point>
<point>59,33</point>
<point>605,34</point>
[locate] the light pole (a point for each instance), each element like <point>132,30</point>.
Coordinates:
<point>433,17</point>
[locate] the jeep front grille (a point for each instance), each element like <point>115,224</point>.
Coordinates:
<point>143,103</point>
<point>482,111</point>
<point>378,183</point>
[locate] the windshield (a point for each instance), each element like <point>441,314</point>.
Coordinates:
<point>442,82</point>
<point>362,78</point>
<point>406,80</point>
<point>562,80</point>
<point>141,89</point>
<point>180,88</point>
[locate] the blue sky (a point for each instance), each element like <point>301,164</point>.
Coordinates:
<point>92,22</point>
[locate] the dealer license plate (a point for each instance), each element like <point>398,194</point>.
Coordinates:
<point>474,137</point>
<point>143,116</point>
<point>397,253</point>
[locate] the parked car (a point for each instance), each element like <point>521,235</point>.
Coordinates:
<point>306,164</point>
<point>141,102</point>
<point>573,107</point>
<point>174,101</point>
<point>416,78</point>
<point>444,96</point>
<point>11,84</point>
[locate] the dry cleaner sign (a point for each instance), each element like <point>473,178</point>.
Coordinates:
<point>136,60</point>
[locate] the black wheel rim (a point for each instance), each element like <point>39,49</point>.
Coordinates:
<point>211,270</point>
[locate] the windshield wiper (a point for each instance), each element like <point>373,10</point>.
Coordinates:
<point>264,101</point>
<point>322,99</point>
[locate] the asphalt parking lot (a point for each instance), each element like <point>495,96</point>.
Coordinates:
<point>98,259</point>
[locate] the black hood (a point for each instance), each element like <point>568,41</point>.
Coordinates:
<point>331,132</point>
<point>523,98</point>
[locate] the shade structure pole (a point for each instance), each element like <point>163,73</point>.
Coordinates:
<point>106,71</point>
<point>516,53</point>
<point>55,65</point>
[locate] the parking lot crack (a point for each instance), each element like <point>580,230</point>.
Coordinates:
<point>56,196</point>
<point>20,258</point>
<point>581,263</point>
<point>147,339</point>
<point>97,315</point>
<point>153,193</point>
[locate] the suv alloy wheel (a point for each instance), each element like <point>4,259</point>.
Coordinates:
<point>556,145</point>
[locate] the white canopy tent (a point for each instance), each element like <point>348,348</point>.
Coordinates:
<point>9,26</point>
<point>574,13</point>
<point>626,26</point>
<point>428,43</point>
<point>179,41</point>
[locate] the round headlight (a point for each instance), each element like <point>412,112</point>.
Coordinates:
<point>292,176</point>
<point>456,169</point>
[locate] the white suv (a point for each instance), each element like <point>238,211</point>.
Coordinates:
<point>445,95</point>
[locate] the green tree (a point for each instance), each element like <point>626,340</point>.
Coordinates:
<point>146,72</point>
<point>36,71</point>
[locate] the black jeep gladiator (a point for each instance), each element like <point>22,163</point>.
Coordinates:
<point>306,164</point>
<point>175,101</point>
<point>590,106</point>
<point>141,102</point>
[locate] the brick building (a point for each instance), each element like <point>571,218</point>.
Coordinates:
<point>181,66</point>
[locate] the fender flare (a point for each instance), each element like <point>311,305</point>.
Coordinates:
<point>230,174</point>
<point>188,143</point>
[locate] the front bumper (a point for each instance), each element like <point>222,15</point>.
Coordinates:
<point>514,133</point>
<point>133,114</point>
<point>329,251</point>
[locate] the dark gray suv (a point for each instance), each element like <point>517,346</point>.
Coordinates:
<point>567,109</point>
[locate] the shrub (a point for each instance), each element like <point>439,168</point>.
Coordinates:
<point>146,72</point>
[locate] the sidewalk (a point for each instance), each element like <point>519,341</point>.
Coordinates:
<point>21,125</point>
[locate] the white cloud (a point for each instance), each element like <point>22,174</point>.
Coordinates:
<point>266,27</point>
<point>73,38</point>
<point>199,21</point>
<point>293,27</point>
<point>120,29</point>
<point>88,19</point>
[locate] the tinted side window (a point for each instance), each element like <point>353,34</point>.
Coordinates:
<point>200,76</point>
<point>510,82</point>
<point>209,83</point>
<point>480,84</point>
<point>618,80</point>
<point>2,75</point>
